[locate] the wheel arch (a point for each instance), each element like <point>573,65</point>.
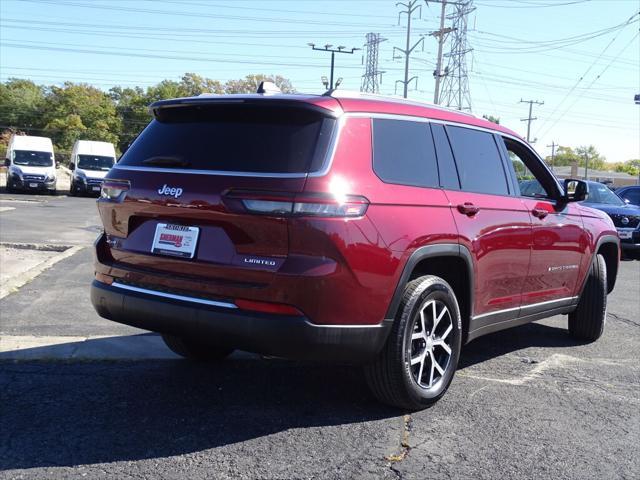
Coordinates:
<point>609,247</point>
<point>451,262</point>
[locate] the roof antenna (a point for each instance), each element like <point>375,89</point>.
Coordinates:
<point>268,88</point>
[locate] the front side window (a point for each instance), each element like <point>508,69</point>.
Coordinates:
<point>32,158</point>
<point>533,180</point>
<point>403,153</point>
<point>95,162</point>
<point>478,159</point>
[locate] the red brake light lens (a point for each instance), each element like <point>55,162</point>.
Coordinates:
<point>267,307</point>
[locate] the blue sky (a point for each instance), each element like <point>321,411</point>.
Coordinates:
<point>520,51</point>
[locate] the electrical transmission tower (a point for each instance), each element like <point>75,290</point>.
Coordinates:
<point>372,76</point>
<point>455,84</point>
<point>410,7</point>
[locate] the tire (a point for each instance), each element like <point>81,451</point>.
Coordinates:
<point>193,350</point>
<point>393,377</point>
<point>587,321</point>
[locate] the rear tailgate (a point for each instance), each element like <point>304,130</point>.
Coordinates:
<point>180,215</point>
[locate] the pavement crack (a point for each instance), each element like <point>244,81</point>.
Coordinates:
<point>403,449</point>
<point>624,320</point>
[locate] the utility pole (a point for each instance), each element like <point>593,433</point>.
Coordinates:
<point>440,34</point>
<point>553,152</point>
<point>586,166</point>
<point>327,48</point>
<point>372,76</point>
<point>530,118</point>
<point>411,6</point>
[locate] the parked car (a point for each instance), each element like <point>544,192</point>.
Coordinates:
<point>343,227</point>
<point>90,162</point>
<point>626,217</point>
<point>30,164</point>
<point>630,194</point>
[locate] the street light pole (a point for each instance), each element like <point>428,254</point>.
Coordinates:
<point>327,48</point>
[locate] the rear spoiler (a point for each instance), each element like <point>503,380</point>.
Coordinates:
<point>323,105</point>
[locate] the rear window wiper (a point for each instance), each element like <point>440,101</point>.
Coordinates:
<point>166,161</point>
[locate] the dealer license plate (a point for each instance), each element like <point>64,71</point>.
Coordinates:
<point>33,185</point>
<point>175,240</point>
<point>96,189</point>
<point>624,235</point>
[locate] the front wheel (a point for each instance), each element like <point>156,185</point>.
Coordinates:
<point>587,321</point>
<point>417,364</point>
<point>194,350</point>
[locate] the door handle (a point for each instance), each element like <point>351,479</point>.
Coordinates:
<point>468,208</point>
<point>539,213</point>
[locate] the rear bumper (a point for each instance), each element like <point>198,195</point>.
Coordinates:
<point>282,336</point>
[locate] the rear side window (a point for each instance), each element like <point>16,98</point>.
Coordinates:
<point>478,159</point>
<point>403,153</point>
<point>233,138</point>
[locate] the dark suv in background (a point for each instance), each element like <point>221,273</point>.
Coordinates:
<point>343,228</point>
<point>625,216</point>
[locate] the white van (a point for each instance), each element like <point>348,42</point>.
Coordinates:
<point>31,164</point>
<point>90,162</point>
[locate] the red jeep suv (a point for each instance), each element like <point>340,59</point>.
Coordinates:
<point>342,227</point>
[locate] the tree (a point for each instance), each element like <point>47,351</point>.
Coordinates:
<point>564,156</point>
<point>21,103</point>
<point>250,83</point>
<point>632,167</point>
<point>491,118</point>
<point>596,161</point>
<point>79,111</point>
<point>132,108</point>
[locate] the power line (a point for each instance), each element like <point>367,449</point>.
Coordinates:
<point>441,35</point>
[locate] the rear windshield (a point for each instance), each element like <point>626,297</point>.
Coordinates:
<point>233,138</point>
<point>32,158</point>
<point>95,162</point>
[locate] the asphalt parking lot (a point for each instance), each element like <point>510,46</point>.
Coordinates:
<point>81,397</point>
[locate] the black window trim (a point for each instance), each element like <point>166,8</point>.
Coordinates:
<point>455,165</point>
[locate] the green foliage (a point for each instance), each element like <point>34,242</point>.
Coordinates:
<point>79,111</point>
<point>491,118</point>
<point>566,156</point>
<point>21,102</point>
<point>632,167</point>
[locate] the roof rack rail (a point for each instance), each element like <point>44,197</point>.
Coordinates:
<point>374,96</point>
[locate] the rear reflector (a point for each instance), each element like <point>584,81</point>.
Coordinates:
<point>289,205</point>
<point>267,307</point>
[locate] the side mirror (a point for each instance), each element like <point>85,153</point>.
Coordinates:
<point>7,162</point>
<point>72,166</point>
<point>575,190</point>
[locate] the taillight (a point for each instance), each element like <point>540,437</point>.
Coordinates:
<point>114,190</point>
<point>297,205</point>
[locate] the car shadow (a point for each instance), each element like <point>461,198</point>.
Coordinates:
<point>513,339</point>
<point>61,413</point>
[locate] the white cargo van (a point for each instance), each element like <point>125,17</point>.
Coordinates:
<point>31,164</point>
<point>90,162</point>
